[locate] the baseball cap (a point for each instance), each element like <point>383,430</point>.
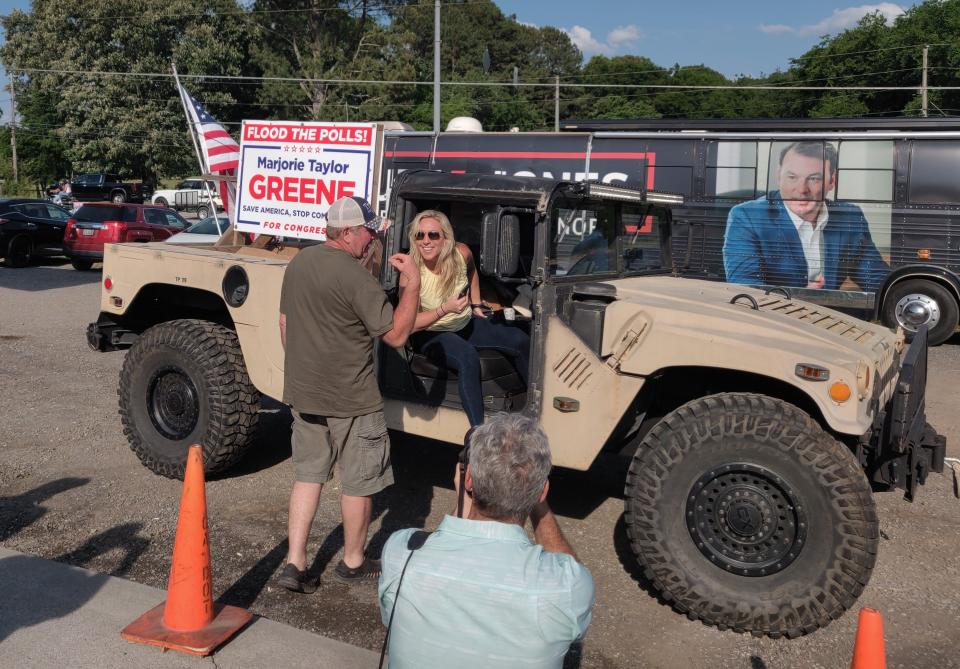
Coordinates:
<point>349,212</point>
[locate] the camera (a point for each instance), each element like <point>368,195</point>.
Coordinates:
<point>464,460</point>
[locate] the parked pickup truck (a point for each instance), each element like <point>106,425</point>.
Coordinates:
<point>190,195</point>
<point>100,186</point>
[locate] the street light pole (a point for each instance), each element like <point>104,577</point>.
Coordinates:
<point>436,66</point>
<point>13,127</point>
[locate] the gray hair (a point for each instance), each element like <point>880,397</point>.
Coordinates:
<point>334,233</point>
<point>509,463</point>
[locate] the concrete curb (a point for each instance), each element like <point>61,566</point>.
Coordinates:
<point>52,614</point>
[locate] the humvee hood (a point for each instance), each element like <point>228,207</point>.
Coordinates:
<point>703,310</point>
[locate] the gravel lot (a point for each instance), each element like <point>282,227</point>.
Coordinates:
<point>71,490</point>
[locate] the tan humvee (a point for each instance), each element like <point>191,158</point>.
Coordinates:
<point>755,422</point>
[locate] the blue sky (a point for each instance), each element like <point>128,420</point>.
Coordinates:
<point>741,37</point>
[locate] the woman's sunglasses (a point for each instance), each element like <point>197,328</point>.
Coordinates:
<point>433,234</point>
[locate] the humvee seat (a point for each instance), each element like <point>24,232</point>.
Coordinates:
<point>503,389</point>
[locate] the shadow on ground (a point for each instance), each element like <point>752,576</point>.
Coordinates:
<point>20,511</point>
<point>36,590</point>
<point>38,278</point>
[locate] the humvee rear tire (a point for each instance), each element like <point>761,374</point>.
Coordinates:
<point>184,382</point>
<point>743,513</point>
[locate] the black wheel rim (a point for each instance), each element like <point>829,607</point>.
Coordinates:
<point>746,519</point>
<point>173,403</point>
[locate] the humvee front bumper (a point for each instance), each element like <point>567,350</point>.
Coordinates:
<point>904,448</point>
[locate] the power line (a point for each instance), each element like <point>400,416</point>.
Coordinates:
<point>889,48</point>
<point>383,9</point>
<point>522,84</point>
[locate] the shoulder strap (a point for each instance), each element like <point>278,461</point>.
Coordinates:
<point>414,543</point>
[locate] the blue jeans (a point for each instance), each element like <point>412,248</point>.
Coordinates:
<point>460,351</point>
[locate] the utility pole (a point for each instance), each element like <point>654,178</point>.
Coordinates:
<point>436,66</point>
<point>13,126</point>
<point>556,104</point>
<point>923,86</point>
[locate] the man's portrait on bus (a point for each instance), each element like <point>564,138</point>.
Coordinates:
<point>795,236</point>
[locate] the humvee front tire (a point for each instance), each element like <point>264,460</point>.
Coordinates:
<point>184,382</point>
<point>743,513</point>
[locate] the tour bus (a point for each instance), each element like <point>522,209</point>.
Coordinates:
<point>862,215</point>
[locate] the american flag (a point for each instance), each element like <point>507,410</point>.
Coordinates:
<point>220,151</point>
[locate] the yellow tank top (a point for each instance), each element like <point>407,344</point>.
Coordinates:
<point>431,299</point>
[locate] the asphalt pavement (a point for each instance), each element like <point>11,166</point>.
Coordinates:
<point>53,615</point>
<point>72,491</point>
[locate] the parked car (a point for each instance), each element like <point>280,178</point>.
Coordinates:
<point>29,228</point>
<point>102,186</point>
<point>190,195</point>
<point>95,224</point>
<point>203,232</point>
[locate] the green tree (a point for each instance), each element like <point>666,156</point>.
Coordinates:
<point>322,40</point>
<point>469,30</point>
<point>130,124</point>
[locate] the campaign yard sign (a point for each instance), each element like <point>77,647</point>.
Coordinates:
<point>291,172</point>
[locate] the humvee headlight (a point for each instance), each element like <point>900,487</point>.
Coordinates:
<point>863,378</point>
<point>811,372</point>
<point>840,392</point>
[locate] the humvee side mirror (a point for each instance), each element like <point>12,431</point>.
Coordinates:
<point>500,252</point>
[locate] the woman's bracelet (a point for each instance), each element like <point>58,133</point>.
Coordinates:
<point>440,312</point>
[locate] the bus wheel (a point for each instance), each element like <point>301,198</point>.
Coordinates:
<point>916,302</point>
<point>745,514</point>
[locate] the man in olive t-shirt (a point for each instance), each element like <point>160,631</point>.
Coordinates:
<point>331,309</point>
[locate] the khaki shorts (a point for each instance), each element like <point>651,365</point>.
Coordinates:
<point>360,444</point>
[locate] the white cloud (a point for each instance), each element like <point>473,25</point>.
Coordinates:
<point>624,35</point>
<point>619,37</point>
<point>775,29</point>
<point>583,39</point>
<point>840,20</point>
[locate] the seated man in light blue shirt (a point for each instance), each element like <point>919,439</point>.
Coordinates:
<point>480,593</point>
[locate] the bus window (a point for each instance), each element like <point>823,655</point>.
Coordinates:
<point>732,170</point>
<point>866,171</point>
<point>796,171</point>
<point>584,241</point>
<point>673,179</point>
<point>640,240</point>
<point>934,166</point>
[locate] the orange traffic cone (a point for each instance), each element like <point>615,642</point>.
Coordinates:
<point>868,651</point>
<point>189,621</point>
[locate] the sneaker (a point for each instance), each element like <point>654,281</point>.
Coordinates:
<point>295,580</point>
<point>370,569</point>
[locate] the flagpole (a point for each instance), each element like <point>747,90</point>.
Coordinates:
<point>204,169</point>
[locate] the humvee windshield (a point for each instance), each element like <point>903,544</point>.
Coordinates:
<point>607,237</point>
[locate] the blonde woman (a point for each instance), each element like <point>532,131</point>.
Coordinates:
<point>451,314</point>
